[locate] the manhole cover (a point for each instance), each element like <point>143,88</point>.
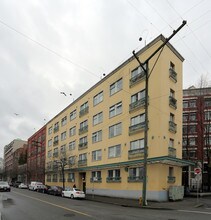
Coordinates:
<point>69,215</point>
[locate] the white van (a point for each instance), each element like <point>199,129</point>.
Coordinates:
<point>35,185</point>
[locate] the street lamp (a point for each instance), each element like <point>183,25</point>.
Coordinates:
<point>144,66</point>
<point>62,162</point>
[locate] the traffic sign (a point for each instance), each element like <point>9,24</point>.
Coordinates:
<point>197,171</point>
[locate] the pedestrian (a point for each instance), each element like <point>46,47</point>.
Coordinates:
<point>74,186</point>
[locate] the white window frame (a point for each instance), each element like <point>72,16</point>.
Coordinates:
<point>115,130</point>
<point>72,115</point>
<point>97,136</point>
<point>115,110</point>
<point>98,118</point>
<point>116,87</point>
<point>114,151</point>
<point>98,98</point>
<point>72,131</point>
<point>137,144</point>
<point>72,145</point>
<point>97,155</point>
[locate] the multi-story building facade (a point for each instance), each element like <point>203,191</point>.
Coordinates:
<point>97,141</point>
<point>196,135</point>
<point>36,156</point>
<point>11,157</point>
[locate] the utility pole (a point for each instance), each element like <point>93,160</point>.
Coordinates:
<point>144,66</point>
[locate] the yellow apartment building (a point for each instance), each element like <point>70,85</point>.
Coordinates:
<point>99,138</point>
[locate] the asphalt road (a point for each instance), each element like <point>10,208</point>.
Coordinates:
<point>20,204</point>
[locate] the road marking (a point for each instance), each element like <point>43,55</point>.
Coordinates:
<point>62,207</point>
<point>198,212</point>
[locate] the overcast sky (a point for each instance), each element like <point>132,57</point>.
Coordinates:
<point>49,46</point>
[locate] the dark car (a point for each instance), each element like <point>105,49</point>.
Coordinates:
<point>16,184</point>
<point>55,190</point>
<point>4,186</point>
<point>44,189</point>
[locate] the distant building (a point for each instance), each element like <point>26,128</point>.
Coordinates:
<point>11,157</point>
<point>36,156</point>
<point>197,135</point>
<point>1,168</point>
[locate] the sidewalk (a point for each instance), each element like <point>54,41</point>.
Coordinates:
<point>186,203</point>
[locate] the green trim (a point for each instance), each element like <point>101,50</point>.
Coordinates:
<point>135,162</point>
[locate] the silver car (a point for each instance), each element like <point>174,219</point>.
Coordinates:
<point>4,186</point>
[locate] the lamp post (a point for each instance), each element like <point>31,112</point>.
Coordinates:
<point>144,66</point>
<point>62,162</point>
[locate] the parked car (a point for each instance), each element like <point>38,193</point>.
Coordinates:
<point>44,189</point>
<point>16,184</point>
<point>35,185</point>
<point>55,190</point>
<point>4,186</point>
<point>73,193</point>
<point>23,186</point>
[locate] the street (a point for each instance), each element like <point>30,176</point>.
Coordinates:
<point>22,204</point>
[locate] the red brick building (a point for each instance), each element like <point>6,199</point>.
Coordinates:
<point>197,135</point>
<point>36,156</point>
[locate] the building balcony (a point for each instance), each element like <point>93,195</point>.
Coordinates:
<point>83,129</point>
<point>82,146</point>
<point>56,129</point>
<point>172,75</point>
<point>116,179</point>
<point>172,127</point>
<point>135,179</point>
<point>55,142</point>
<point>137,153</point>
<point>96,179</point>
<point>172,152</point>
<point>137,105</point>
<point>171,179</point>
<point>138,78</point>
<point>82,163</point>
<point>172,102</point>
<point>84,111</point>
<point>136,128</point>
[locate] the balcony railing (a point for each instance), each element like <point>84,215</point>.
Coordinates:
<point>96,179</point>
<point>83,129</point>
<point>136,128</point>
<point>171,179</point>
<point>172,152</point>
<point>138,78</point>
<point>82,146</point>
<point>116,179</point>
<point>135,179</point>
<point>84,111</point>
<point>136,105</point>
<point>172,127</point>
<point>82,162</point>
<point>172,102</point>
<point>172,75</point>
<point>137,153</point>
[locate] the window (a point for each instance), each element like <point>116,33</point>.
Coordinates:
<point>114,151</point>
<point>115,130</point>
<point>72,115</point>
<point>207,103</point>
<point>138,96</point>
<point>137,144</point>
<point>98,118</point>
<point>207,115</point>
<point>84,109</point>
<point>192,103</point>
<point>192,141</point>
<point>49,142</point>
<point>185,117</point>
<point>71,160</point>
<point>96,176</point>
<point>113,175</point>
<point>56,126</point>
<point>49,153</point>
<point>83,124</point>
<point>55,152</point>
<point>171,142</point>
<point>63,148</point>
<point>82,157</point>
<point>172,66</point>
<point>72,131</point>
<point>84,106</point>
<point>71,177</point>
<point>63,135</point>
<point>192,129</point>
<point>97,136</point>
<point>115,110</point>
<point>135,174</point>
<point>171,171</point>
<point>56,140</point>
<point>172,117</point>
<point>185,104</point>
<point>64,121</point>
<point>50,130</point>
<point>193,117</point>
<point>96,155</point>
<point>137,119</point>
<point>72,145</point>
<point>137,71</point>
<point>55,178</point>
<point>115,87</point>
<point>98,98</point>
<point>172,93</point>
<point>83,142</point>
